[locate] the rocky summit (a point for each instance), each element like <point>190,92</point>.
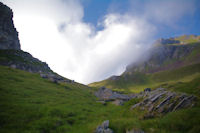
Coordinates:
<point>8,33</point>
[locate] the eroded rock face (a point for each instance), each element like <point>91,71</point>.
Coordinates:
<point>163,101</point>
<point>8,34</point>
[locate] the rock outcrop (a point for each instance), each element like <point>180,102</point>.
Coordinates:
<point>105,94</point>
<point>104,128</point>
<point>55,78</point>
<point>161,101</point>
<point>8,34</point>
<point>22,60</point>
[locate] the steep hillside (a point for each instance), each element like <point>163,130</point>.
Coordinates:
<point>171,60</point>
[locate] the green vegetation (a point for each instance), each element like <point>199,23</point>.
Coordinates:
<point>187,39</point>
<point>21,57</point>
<point>137,82</point>
<point>30,104</point>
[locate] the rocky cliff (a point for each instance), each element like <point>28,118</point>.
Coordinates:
<point>8,33</point>
<point>11,54</point>
<point>169,54</point>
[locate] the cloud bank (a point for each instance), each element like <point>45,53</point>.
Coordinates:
<point>54,31</point>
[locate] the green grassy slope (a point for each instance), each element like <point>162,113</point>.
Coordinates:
<point>138,81</point>
<point>30,104</point>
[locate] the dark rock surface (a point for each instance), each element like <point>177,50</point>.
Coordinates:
<point>163,101</point>
<point>8,34</point>
<point>104,128</point>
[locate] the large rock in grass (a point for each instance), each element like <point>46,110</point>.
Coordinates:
<point>8,34</point>
<point>161,101</point>
<point>104,128</point>
<point>108,95</point>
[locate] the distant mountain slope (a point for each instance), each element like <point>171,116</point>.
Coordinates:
<point>171,60</point>
<point>169,54</point>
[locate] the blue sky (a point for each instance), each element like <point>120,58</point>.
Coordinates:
<point>91,40</point>
<point>187,24</point>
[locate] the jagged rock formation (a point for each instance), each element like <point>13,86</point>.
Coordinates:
<point>105,94</point>
<point>104,128</point>
<point>8,34</point>
<point>160,101</point>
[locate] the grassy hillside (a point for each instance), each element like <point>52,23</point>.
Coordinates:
<point>30,104</point>
<point>138,81</point>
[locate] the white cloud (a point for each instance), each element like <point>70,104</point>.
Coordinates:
<point>54,31</point>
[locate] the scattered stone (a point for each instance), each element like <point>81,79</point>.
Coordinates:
<point>104,128</point>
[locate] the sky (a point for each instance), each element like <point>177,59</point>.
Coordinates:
<point>91,40</point>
